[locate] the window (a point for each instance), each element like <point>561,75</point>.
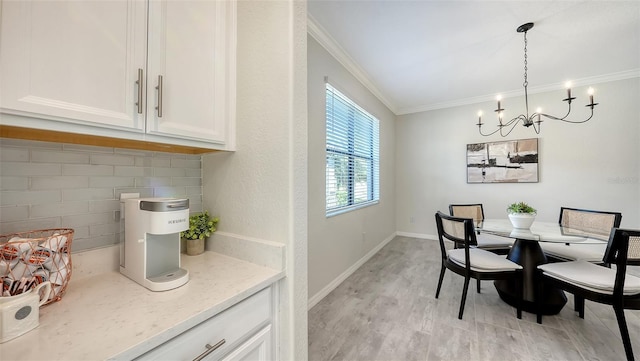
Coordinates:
<point>352,155</point>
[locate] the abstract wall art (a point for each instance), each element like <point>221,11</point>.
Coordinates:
<point>511,161</point>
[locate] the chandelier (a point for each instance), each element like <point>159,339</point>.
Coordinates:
<point>534,120</point>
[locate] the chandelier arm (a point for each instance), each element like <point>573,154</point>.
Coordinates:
<point>533,124</point>
<point>567,120</point>
<point>486,135</point>
<point>511,123</point>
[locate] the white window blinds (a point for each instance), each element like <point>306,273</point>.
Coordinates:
<point>352,172</point>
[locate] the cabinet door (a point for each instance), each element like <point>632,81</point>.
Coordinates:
<point>192,48</point>
<point>73,61</point>
<point>257,348</point>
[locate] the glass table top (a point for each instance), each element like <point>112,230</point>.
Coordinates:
<point>539,231</point>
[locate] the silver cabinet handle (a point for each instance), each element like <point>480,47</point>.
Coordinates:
<point>209,350</point>
<point>159,87</point>
<point>139,83</point>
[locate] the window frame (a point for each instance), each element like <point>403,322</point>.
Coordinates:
<point>358,130</point>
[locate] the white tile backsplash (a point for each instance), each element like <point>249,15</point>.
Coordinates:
<point>137,171</point>
<point>110,182</point>
<point>47,156</point>
<point>14,155</point>
<point>53,185</point>
<point>113,159</point>
<point>66,208</point>
<point>169,172</point>
<point>14,183</point>
<point>185,163</point>
<point>59,182</point>
<point>87,194</point>
<point>30,197</point>
<point>8,168</point>
<point>87,169</point>
<point>14,213</point>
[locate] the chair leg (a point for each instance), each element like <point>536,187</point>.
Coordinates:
<point>539,290</point>
<point>578,305</point>
<point>478,284</point>
<point>520,290</point>
<point>440,280</point>
<point>624,331</point>
<point>464,297</point>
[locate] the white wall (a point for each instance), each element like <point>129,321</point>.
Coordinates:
<point>595,165</point>
<point>259,191</point>
<point>338,243</point>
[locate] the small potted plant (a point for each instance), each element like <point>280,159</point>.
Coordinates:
<point>201,226</point>
<point>521,215</point>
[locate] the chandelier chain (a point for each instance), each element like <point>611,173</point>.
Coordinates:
<point>525,61</point>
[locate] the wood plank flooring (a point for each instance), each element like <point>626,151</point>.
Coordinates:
<point>387,310</point>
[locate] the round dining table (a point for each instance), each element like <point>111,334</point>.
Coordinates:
<point>526,252</point>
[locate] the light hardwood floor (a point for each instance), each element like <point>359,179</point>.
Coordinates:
<point>387,310</point>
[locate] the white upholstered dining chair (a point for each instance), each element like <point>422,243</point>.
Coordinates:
<point>469,261</point>
<point>486,241</point>
<point>595,224</point>
<point>597,283</point>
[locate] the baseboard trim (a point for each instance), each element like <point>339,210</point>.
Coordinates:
<point>338,280</point>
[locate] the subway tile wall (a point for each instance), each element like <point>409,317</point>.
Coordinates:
<point>53,185</point>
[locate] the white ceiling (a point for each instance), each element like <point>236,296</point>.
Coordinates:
<point>421,55</point>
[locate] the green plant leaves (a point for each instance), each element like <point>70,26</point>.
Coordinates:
<point>201,226</point>
<point>520,207</point>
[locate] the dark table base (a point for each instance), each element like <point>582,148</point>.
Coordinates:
<point>529,255</point>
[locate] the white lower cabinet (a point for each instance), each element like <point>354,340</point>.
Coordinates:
<point>242,332</point>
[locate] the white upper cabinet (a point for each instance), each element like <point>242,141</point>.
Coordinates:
<point>74,61</point>
<point>95,67</point>
<point>191,68</point>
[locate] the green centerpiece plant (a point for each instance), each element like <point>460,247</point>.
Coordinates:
<point>201,226</point>
<point>521,215</point>
<point>521,207</point>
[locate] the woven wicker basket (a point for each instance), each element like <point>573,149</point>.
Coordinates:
<point>30,258</point>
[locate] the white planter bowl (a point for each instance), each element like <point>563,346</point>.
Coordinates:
<point>522,220</point>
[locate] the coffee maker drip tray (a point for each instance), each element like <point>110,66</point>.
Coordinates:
<point>169,280</point>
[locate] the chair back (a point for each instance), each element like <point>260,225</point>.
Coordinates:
<point>473,211</point>
<point>456,229</point>
<point>598,223</point>
<point>623,249</point>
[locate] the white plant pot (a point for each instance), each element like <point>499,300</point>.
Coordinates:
<point>522,220</point>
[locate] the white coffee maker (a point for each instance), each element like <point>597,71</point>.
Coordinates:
<point>152,242</point>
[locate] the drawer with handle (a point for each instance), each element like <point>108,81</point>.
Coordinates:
<point>219,335</point>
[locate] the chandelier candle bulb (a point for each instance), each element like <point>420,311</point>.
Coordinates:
<point>590,92</point>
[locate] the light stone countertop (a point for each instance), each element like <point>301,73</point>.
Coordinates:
<point>108,316</point>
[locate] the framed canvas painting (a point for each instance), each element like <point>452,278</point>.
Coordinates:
<point>511,161</point>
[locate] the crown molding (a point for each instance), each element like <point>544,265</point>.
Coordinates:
<point>605,78</point>
<point>322,36</point>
